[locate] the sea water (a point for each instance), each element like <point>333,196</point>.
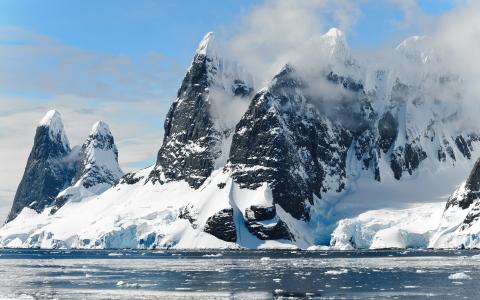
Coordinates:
<point>242,274</point>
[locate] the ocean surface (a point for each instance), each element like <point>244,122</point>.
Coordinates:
<point>214,274</point>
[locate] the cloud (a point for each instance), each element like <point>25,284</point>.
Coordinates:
<point>227,110</point>
<point>413,15</point>
<point>38,63</point>
<point>443,60</point>
<point>457,40</point>
<point>282,31</point>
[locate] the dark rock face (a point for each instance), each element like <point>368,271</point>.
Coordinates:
<point>188,150</point>
<point>472,217</point>
<point>187,213</point>
<point>191,141</point>
<point>445,149</point>
<point>406,158</point>
<point>240,88</point>
<point>463,146</point>
<point>260,213</point>
<point>387,129</point>
<point>282,140</point>
<point>472,190</point>
<point>473,181</point>
<point>49,170</point>
<point>468,198</point>
<point>130,178</point>
<point>222,225</point>
<point>262,222</point>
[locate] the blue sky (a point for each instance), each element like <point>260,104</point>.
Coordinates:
<point>122,61</point>
<point>173,28</point>
<point>377,25</point>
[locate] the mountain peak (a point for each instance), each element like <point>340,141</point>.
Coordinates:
<point>99,158</point>
<point>410,42</point>
<point>335,37</point>
<point>335,33</point>
<point>416,48</point>
<point>50,117</point>
<point>207,45</point>
<point>53,121</point>
<point>336,43</point>
<point>100,128</point>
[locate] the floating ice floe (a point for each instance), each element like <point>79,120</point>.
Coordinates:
<point>336,272</point>
<point>459,276</point>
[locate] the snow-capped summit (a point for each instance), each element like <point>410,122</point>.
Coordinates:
<point>100,128</point>
<point>336,35</point>
<point>100,150</point>
<point>99,158</point>
<point>410,43</point>
<point>336,44</point>
<point>51,117</point>
<point>53,121</point>
<point>417,49</point>
<point>221,71</point>
<point>207,45</point>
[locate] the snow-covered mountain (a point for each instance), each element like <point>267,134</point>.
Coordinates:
<point>97,167</point>
<point>337,154</point>
<point>49,169</point>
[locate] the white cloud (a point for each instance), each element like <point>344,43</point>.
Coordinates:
<point>457,39</point>
<point>282,31</point>
<point>37,63</point>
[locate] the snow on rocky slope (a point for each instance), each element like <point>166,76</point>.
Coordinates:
<point>97,167</point>
<point>460,226</point>
<point>341,154</point>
